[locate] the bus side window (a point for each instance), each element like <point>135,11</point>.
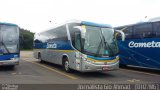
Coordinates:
<point>156,28</point>
<point>143,30</point>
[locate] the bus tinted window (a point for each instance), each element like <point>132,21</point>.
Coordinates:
<point>143,30</point>
<point>37,38</point>
<point>156,27</point>
<point>58,33</point>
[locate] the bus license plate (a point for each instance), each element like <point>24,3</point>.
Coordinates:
<point>104,68</point>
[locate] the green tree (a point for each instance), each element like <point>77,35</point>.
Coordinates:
<point>26,39</point>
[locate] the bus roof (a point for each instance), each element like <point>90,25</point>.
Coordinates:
<point>11,24</point>
<point>139,23</point>
<point>80,22</point>
<point>156,19</point>
<point>89,23</point>
<point>95,24</point>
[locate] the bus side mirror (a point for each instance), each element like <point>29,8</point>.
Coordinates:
<point>122,34</point>
<point>81,30</point>
<point>78,27</point>
<point>77,40</point>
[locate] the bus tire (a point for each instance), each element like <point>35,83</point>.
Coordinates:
<point>123,65</point>
<point>66,65</point>
<point>40,58</point>
<point>11,67</point>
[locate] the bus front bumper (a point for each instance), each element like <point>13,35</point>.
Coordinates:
<point>9,62</point>
<point>90,67</point>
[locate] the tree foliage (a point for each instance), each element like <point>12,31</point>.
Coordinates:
<point>26,39</point>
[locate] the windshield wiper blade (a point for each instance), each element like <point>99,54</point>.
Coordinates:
<point>105,42</point>
<point>98,48</point>
<point>109,47</point>
<point>5,47</point>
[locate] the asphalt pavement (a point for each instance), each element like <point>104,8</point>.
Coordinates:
<point>30,71</point>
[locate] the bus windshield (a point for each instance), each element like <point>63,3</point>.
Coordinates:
<point>9,39</point>
<point>100,41</point>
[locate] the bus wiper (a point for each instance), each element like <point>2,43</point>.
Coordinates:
<point>98,48</point>
<point>105,42</point>
<point>5,47</point>
<point>109,47</point>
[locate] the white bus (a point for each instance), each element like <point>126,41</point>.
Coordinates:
<point>79,45</point>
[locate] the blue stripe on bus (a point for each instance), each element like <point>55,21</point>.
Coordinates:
<point>95,24</point>
<point>8,56</point>
<point>102,58</point>
<point>61,45</point>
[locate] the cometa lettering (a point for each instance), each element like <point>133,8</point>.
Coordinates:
<point>152,44</point>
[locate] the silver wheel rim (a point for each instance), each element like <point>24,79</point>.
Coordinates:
<point>66,65</point>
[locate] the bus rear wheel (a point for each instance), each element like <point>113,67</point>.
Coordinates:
<point>11,67</point>
<point>66,66</point>
<point>40,58</point>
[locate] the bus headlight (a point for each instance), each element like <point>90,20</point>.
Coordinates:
<point>77,55</point>
<point>80,55</point>
<point>15,57</point>
<point>84,57</point>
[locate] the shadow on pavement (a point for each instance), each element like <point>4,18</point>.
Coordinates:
<point>6,68</point>
<point>81,74</point>
<point>141,69</point>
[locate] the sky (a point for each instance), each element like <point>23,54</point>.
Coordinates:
<point>38,15</point>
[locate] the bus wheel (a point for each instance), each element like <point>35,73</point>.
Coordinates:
<point>11,67</point>
<point>40,58</point>
<point>123,65</point>
<point>66,66</point>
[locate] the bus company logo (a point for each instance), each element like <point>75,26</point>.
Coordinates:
<point>151,44</point>
<point>51,45</point>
